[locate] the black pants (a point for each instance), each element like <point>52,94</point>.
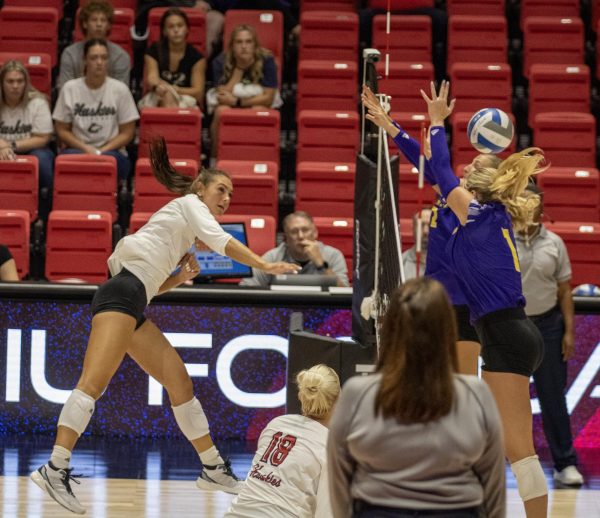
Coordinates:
<point>550,383</point>
<point>362,509</point>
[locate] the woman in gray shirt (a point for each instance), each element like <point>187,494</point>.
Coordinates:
<point>416,439</point>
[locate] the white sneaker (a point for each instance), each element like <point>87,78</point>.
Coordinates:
<point>219,478</point>
<point>56,483</point>
<point>569,476</point>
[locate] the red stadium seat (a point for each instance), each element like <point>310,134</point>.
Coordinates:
<point>325,188</point>
<point>475,7</point>
<point>552,40</point>
<point>325,135</point>
<point>396,5</point>
<point>149,194</point>
<point>329,35</point>
<point>39,67</point>
<point>571,193</point>
<point>128,4</point>
<point>568,139</point>
<point>410,38</point>
<point>403,84</point>
<point>583,245</point>
<point>260,230</point>
<point>20,185</point>
<point>56,4</point>
<point>14,233</point>
<point>407,238</point>
<point>138,220</point>
<point>479,85</point>
<point>181,128</point>
<point>85,182</point>
<point>410,197</point>
<point>462,150</point>
<point>32,30</point>
<point>328,5</point>
<point>196,18</point>
<point>120,33</point>
<point>78,246</point>
<point>327,85</point>
<point>338,233</point>
<point>477,39</point>
<point>268,26</point>
<point>247,134</point>
<point>559,8</point>
<point>558,88</point>
<point>255,186</point>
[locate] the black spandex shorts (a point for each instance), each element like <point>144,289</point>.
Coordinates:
<point>510,342</point>
<point>466,332</point>
<point>124,293</point>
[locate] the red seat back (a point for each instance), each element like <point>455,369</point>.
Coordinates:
<point>325,135</point>
<point>475,7</point>
<point>477,39</point>
<point>339,233</point>
<point>197,21</point>
<point>20,185</point>
<point>56,4</point>
<point>327,83</point>
<point>410,38</point>
<point>180,127</point>
<point>260,230</point>
<point>328,5</point>
<point>14,233</point>
<point>39,67</point>
<point>329,35</point>
<point>404,82</point>
<point>558,8</point>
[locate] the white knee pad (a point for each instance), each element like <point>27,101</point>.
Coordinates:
<point>530,478</point>
<point>191,419</point>
<point>77,412</point>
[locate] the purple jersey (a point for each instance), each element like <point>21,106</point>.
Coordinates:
<point>484,257</point>
<point>441,225</point>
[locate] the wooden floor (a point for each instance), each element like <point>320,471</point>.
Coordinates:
<point>126,498</point>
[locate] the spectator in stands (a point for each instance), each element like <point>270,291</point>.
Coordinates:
<point>409,258</point>
<point>8,267</point>
<point>26,126</point>
<point>175,70</point>
<point>96,114</point>
<point>415,438</point>
<point>95,20</point>
<point>546,273</point>
<point>300,246</point>
<point>246,75</point>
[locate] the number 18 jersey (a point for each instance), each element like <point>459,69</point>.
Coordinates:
<point>288,476</point>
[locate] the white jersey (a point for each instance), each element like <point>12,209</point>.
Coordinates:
<point>95,115</point>
<point>288,477</point>
<point>152,253</point>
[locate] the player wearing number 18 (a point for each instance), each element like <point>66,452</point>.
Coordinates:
<point>288,477</point>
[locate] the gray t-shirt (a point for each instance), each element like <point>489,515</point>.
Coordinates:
<point>25,120</point>
<point>454,462</point>
<point>330,255</point>
<point>95,115</point>
<point>71,63</point>
<point>544,263</point>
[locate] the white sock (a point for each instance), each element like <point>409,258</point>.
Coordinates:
<point>60,458</point>
<point>211,457</point>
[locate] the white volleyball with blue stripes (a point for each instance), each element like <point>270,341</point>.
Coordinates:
<point>490,130</point>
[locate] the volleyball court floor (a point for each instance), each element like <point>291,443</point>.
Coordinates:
<point>152,478</point>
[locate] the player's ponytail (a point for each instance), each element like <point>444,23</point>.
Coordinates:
<point>176,182</point>
<point>318,390</point>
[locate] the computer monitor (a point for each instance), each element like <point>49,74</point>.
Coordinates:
<point>216,266</point>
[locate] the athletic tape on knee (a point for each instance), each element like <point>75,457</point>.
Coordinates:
<point>77,412</point>
<point>530,478</point>
<point>191,419</point>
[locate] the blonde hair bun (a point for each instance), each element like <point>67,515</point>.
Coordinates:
<point>318,389</point>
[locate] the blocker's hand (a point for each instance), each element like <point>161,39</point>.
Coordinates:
<point>438,107</point>
<point>281,268</point>
<point>375,112</point>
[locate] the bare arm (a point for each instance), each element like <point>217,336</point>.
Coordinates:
<point>197,82</point>
<point>65,134</point>
<point>8,271</point>
<point>567,308</point>
<point>33,142</point>
<point>152,73</point>
<point>124,137</point>
<point>242,254</point>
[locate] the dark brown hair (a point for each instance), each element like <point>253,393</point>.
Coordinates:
<point>163,42</point>
<point>176,182</point>
<point>418,354</point>
<point>95,6</point>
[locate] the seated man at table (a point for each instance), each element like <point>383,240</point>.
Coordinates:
<point>300,246</point>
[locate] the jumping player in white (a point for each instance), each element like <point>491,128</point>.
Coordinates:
<point>288,477</point>
<point>142,266</point>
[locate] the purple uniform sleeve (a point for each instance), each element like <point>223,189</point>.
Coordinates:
<point>440,162</point>
<point>411,150</point>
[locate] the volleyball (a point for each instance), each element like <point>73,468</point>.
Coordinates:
<point>490,130</point>
<point>587,290</point>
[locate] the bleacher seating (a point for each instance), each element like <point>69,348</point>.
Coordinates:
<point>255,187</point>
<point>410,38</point>
<point>477,39</point>
<point>329,35</point>
<point>268,26</point>
<point>325,188</point>
<point>249,135</point>
<point>338,233</point>
<point>559,8</point>
<point>14,233</point>
<point>410,197</point>
<point>407,238</point>
<point>403,83</point>
<point>327,85</point>
<point>78,245</point>
<point>85,183</point>
<point>583,244</point>
<point>180,127</point>
<point>475,7</point>
<point>328,5</point>
<point>260,230</point>
<point>571,193</point>
<point>20,185</point>
<point>56,4</point>
<point>39,67</point>
<point>197,21</point>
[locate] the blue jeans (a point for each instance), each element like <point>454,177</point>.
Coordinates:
<point>123,163</point>
<point>550,383</point>
<point>45,158</point>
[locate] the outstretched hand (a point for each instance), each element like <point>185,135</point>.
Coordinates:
<point>438,107</point>
<point>376,113</point>
<point>281,268</point>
